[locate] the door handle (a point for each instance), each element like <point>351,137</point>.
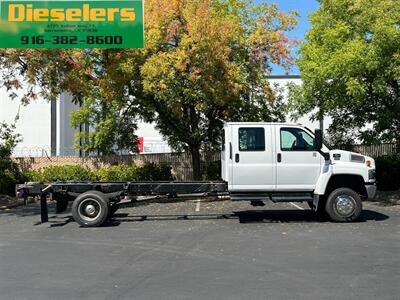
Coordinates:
<point>237,157</point>
<point>279,157</point>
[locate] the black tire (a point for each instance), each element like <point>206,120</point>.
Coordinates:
<point>343,205</point>
<point>90,209</point>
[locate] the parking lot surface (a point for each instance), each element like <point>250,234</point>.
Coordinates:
<point>202,250</point>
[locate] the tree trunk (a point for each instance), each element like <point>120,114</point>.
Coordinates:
<point>195,152</point>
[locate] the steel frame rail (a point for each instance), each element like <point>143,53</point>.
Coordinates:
<point>70,190</point>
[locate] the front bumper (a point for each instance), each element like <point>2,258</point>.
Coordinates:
<point>371,190</point>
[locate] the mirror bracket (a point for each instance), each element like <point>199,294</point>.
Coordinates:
<point>318,144</point>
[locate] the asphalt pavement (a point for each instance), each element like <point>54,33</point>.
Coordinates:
<point>202,250</point>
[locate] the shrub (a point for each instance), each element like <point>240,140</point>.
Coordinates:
<point>388,172</point>
<point>63,173</point>
<point>117,173</point>
<point>8,180</point>
<point>212,170</point>
<point>154,172</point>
<point>9,171</point>
<point>146,172</point>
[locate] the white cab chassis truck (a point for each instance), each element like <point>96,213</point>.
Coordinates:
<point>289,163</point>
<point>261,162</point>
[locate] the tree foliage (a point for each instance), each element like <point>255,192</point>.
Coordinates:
<point>204,62</point>
<point>9,171</point>
<point>350,66</point>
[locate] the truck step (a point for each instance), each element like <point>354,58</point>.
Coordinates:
<point>274,197</point>
<point>291,197</point>
<point>259,196</point>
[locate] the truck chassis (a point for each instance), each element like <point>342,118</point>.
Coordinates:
<point>96,202</point>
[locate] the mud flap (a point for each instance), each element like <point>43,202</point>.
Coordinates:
<point>315,202</point>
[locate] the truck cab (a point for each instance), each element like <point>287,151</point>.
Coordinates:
<point>285,162</point>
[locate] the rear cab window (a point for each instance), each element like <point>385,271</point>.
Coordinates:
<point>251,139</point>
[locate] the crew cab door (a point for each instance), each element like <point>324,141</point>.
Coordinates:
<point>252,160</point>
<point>298,165</point>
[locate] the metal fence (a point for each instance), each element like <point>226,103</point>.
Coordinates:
<point>43,151</point>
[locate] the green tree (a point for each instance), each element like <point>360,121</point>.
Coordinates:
<point>9,171</point>
<point>211,66</point>
<point>350,66</point>
<point>204,62</point>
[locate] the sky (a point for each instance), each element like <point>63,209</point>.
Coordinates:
<point>303,7</point>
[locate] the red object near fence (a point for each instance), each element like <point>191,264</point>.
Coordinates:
<point>140,144</point>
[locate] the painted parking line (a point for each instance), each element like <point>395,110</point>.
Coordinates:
<point>198,205</point>
<point>295,205</point>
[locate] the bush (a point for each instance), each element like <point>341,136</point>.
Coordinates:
<point>117,173</point>
<point>8,180</point>
<point>63,173</point>
<point>388,172</point>
<point>146,172</point>
<point>154,172</point>
<point>212,170</point>
<point>9,171</point>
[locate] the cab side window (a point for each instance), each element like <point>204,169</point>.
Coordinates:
<point>251,139</point>
<point>296,139</point>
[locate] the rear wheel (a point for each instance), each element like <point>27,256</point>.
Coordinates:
<point>90,209</point>
<point>343,205</point>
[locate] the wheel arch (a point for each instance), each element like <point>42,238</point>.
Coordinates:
<point>351,181</point>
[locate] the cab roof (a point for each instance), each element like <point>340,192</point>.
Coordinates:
<point>263,123</point>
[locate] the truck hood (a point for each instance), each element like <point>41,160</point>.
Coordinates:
<point>338,156</point>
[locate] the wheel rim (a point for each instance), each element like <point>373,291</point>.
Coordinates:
<point>89,209</point>
<point>345,205</point>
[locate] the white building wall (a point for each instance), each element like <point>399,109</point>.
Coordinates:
<point>153,141</point>
<point>65,140</point>
<point>33,124</point>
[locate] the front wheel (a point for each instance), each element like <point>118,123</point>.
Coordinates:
<point>90,209</point>
<point>343,205</point>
